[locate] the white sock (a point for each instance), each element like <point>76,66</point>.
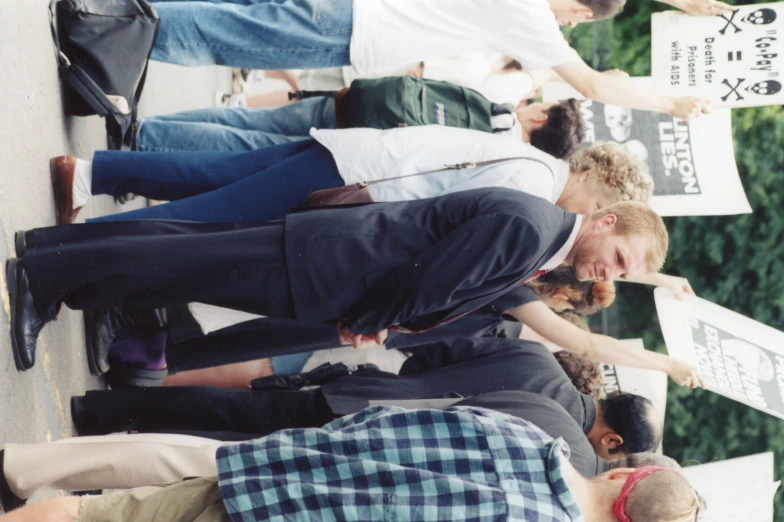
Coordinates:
<point>82,183</point>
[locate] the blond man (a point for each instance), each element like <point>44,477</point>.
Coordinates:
<point>409,265</point>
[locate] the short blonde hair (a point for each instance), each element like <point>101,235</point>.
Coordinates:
<point>636,219</point>
<point>664,496</point>
<point>614,171</point>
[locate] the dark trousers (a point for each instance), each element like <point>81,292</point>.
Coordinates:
<point>216,412</point>
<point>247,341</point>
<point>156,264</point>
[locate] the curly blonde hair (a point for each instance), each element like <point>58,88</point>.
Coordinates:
<point>614,171</point>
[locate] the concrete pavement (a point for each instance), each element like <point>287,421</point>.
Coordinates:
<point>34,405</point>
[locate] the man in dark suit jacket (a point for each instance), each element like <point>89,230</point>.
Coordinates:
<point>410,264</point>
<point>551,417</point>
<point>453,369</point>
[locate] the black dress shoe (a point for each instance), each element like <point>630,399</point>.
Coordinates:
<point>9,499</point>
<point>101,329</point>
<point>25,322</point>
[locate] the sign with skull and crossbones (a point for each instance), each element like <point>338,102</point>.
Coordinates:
<point>692,165</point>
<point>735,59</point>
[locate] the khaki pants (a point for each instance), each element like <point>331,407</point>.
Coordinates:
<point>108,462</point>
<point>196,500</point>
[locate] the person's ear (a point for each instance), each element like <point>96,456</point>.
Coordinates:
<point>582,177</point>
<point>607,221</point>
<point>611,441</point>
<point>582,13</point>
<point>559,295</point>
<point>539,118</point>
<point>618,474</point>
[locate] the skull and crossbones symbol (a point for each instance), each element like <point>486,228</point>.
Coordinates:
<point>763,88</point>
<point>762,16</point>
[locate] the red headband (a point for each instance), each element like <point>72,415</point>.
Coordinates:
<point>619,507</point>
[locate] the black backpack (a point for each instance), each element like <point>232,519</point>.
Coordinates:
<point>103,47</point>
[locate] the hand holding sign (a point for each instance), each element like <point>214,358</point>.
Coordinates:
<point>679,286</point>
<point>688,108</point>
<point>684,374</point>
<point>703,7</point>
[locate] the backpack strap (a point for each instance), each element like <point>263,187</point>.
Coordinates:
<point>461,166</point>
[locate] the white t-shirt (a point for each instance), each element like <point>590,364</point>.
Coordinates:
<point>391,33</point>
<point>370,154</point>
<point>512,87</point>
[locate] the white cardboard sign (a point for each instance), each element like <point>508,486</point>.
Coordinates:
<point>734,59</point>
<point>738,357</point>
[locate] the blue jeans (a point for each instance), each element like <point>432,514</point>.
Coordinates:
<point>217,187</point>
<point>228,129</point>
<point>255,34</point>
<point>287,364</point>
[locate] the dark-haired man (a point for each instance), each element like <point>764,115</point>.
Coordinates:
<point>554,128</point>
<point>448,370</point>
<point>371,34</point>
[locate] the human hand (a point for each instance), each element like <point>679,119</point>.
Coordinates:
<point>679,286</point>
<point>684,374</point>
<point>687,108</point>
<point>360,341</point>
<point>704,7</point>
<point>418,71</point>
<point>616,73</point>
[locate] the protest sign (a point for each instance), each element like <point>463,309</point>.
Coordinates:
<point>650,384</point>
<point>733,59</point>
<point>722,483</point>
<point>738,357</point>
<point>692,165</point>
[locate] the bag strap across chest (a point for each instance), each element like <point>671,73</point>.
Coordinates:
<point>461,166</point>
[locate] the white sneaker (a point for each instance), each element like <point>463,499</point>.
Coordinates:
<point>237,101</point>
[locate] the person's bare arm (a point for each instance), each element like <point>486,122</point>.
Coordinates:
<point>601,348</point>
<point>700,7</point>
<point>620,91</point>
<point>542,76</point>
<point>679,286</point>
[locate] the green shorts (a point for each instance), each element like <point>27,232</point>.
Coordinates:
<point>196,500</point>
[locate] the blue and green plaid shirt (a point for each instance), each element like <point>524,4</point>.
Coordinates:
<point>452,465</point>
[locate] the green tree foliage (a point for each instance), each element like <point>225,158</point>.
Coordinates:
<point>736,262</point>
